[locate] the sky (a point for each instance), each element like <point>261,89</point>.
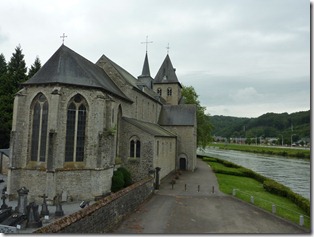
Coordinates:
<point>244,58</point>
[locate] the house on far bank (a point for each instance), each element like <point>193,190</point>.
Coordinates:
<point>75,122</point>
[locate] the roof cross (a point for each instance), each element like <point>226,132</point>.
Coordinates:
<point>168,47</point>
<point>146,42</point>
<point>63,36</point>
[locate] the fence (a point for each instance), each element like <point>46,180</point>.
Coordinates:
<point>279,210</point>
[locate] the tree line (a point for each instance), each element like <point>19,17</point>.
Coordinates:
<point>294,126</point>
<point>12,74</point>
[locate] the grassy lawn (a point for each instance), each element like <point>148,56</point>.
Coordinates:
<point>230,178</point>
<point>282,151</point>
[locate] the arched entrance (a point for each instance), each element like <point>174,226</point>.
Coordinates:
<point>182,163</point>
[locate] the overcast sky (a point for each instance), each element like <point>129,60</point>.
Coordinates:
<point>243,57</point>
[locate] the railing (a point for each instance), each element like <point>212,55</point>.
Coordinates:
<point>6,229</point>
<point>296,217</point>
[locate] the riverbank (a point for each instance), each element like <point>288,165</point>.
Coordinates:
<point>280,151</point>
<point>266,193</point>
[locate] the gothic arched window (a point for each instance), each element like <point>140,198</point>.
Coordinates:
<point>39,128</point>
<point>159,91</point>
<point>135,148</point>
<point>169,91</point>
<point>75,130</point>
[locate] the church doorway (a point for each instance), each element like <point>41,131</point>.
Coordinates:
<point>182,162</point>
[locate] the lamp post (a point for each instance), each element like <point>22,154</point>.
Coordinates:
<point>291,138</point>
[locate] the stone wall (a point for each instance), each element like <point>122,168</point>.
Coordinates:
<point>105,214</point>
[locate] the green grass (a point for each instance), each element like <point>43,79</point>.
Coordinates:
<point>230,178</point>
<point>281,151</point>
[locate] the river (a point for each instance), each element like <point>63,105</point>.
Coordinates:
<point>291,172</point>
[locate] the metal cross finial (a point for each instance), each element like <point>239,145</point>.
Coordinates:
<point>63,36</point>
<point>146,42</point>
<point>168,48</point>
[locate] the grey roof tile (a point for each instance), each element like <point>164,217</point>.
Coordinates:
<point>68,67</point>
<point>166,73</point>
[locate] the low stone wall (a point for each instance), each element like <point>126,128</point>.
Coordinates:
<point>105,214</point>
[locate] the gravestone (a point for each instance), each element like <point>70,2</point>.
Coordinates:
<point>33,220</point>
<point>59,211</point>
<point>22,200</point>
<point>44,206</point>
<point>4,205</point>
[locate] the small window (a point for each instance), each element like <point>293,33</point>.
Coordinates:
<point>169,91</point>
<point>159,91</point>
<point>135,148</point>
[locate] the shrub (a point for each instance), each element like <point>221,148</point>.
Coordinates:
<point>117,181</point>
<point>279,189</point>
<point>126,176</point>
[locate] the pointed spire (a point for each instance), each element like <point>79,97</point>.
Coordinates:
<point>145,71</point>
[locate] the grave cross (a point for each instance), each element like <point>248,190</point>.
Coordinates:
<point>63,36</point>
<point>146,42</point>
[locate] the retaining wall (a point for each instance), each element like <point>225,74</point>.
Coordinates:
<point>105,214</point>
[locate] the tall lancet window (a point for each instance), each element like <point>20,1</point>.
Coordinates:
<point>39,128</point>
<point>75,130</point>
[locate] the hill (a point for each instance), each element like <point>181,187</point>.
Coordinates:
<point>267,125</point>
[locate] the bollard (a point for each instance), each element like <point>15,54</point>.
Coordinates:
<point>234,192</point>
<point>185,187</point>
<point>198,188</point>
<point>213,189</point>
<point>301,220</point>
<point>273,209</point>
<point>252,199</point>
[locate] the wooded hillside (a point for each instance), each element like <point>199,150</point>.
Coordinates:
<point>267,125</point>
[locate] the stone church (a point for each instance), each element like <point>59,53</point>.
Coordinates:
<point>75,122</point>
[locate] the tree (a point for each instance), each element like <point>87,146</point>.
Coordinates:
<point>204,126</point>
<point>34,68</point>
<point>10,83</point>
<point>3,65</point>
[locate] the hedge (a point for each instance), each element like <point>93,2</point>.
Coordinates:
<point>268,184</point>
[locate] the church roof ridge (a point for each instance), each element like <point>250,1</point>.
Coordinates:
<point>151,128</point>
<point>66,66</point>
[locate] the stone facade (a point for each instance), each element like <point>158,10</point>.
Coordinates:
<point>116,113</point>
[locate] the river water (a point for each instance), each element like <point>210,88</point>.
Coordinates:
<point>291,172</point>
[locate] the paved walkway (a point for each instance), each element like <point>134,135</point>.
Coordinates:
<point>196,209</point>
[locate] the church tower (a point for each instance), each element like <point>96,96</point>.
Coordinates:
<point>166,83</point>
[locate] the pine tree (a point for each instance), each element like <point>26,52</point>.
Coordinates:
<point>34,68</point>
<point>3,65</point>
<point>17,69</point>
<point>10,83</point>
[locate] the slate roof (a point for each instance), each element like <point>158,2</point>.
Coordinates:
<point>166,73</point>
<point>145,71</point>
<point>177,115</point>
<point>68,67</point>
<point>150,128</point>
<point>129,78</point>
